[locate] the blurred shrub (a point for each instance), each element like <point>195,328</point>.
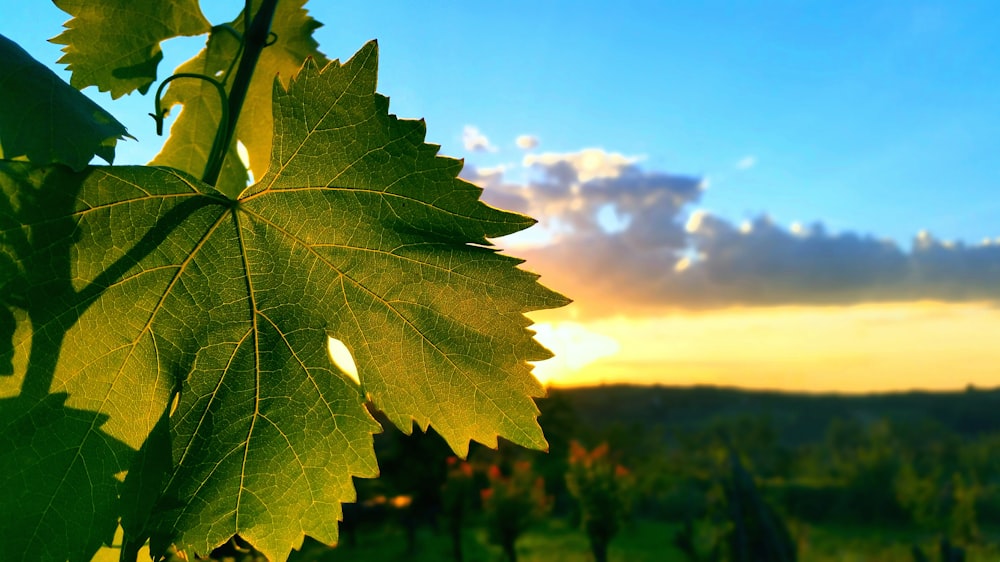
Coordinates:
<point>512,503</point>
<point>603,491</point>
<point>457,502</point>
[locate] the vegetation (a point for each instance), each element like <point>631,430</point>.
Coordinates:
<point>602,490</point>
<point>862,485</point>
<point>164,329</point>
<point>512,503</point>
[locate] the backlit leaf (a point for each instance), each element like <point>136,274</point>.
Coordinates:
<point>148,285</point>
<point>192,133</point>
<point>115,44</point>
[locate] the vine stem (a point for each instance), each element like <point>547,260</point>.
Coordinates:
<point>255,39</point>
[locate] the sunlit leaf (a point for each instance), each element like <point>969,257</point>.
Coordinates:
<point>115,44</point>
<point>160,285</point>
<point>192,133</point>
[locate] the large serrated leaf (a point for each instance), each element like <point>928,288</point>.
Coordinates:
<point>44,120</point>
<point>193,132</point>
<point>150,283</point>
<point>450,345</point>
<point>115,44</point>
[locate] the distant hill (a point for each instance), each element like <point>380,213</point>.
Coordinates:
<point>797,417</point>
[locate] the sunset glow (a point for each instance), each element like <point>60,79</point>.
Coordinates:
<point>575,347</point>
<point>860,348</point>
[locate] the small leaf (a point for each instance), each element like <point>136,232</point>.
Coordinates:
<point>193,131</point>
<point>115,44</point>
<point>44,120</point>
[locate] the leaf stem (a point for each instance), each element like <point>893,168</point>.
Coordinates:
<point>256,37</point>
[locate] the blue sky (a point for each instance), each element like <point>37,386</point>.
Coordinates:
<point>871,117</point>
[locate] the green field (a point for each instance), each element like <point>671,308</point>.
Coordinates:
<point>641,541</point>
<point>554,541</point>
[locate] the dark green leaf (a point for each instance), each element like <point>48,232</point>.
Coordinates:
<point>58,473</point>
<point>44,120</point>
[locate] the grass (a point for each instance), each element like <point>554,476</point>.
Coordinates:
<point>865,544</point>
<point>555,541</point>
<point>641,541</point>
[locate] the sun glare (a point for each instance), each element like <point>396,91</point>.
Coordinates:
<point>574,345</point>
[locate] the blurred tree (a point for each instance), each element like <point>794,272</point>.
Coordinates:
<point>963,525</point>
<point>758,532</point>
<point>512,503</point>
<point>561,424</point>
<point>457,501</point>
<point>603,491</point>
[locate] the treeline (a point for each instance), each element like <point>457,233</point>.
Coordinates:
<point>796,417</point>
<point>909,458</point>
<point>920,461</point>
<point>739,474</point>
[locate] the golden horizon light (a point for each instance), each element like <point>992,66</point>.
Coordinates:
<point>850,349</point>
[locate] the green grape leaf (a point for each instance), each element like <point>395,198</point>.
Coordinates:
<point>193,131</point>
<point>58,472</point>
<point>434,317</point>
<point>174,307</point>
<point>115,44</point>
<point>44,120</point>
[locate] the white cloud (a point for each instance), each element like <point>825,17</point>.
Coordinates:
<point>587,164</point>
<point>746,162</point>
<point>591,193</point>
<point>493,171</point>
<point>475,141</point>
<point>694,221</point>
<point>638,266</point>
<point>526,142</point>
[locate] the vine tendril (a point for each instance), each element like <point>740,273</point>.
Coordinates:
<point>217,149</point>
<point>255,37</point>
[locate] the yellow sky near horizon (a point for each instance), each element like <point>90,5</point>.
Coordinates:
<point>857,348</point>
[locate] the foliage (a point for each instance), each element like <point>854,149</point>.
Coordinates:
<point>963,524</point>
<point>828,529</point>
<point>513,502</point>
<point>602,490</point>
<point>42,119</point>
<point>758,532</point>
<point>175,329</point>
<point>457,501</point>
<point>115,44</point>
